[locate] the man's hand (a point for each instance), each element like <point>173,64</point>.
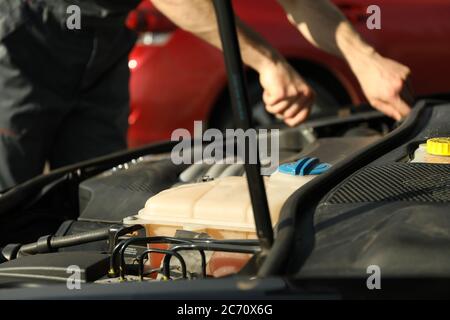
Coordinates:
<point>385,83</point>
<point>286,94</point>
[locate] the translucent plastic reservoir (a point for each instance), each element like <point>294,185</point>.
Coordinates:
<point>220,208</point>
<point>422,155</point>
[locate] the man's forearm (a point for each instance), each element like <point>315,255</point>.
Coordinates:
<point>383,81</point>
<point>323,24</point>
<point>198,17</point>
<point>286,94</point>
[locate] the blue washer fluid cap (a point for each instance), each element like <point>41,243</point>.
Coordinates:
<point>304,167</point>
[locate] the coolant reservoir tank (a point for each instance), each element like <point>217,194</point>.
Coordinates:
<point>222,207</point>
<point>436,150</point>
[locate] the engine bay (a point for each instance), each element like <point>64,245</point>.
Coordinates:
<point>373,205</point>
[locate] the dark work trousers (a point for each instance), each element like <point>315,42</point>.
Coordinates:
<point>63,93</point>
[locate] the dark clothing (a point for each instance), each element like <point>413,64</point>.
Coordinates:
<point>94,12</point>
<point>63,93</point>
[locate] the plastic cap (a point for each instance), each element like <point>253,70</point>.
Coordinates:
<point>438,146</point>
<point>304,167</point>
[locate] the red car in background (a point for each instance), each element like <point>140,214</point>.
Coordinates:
<point>177,78</point>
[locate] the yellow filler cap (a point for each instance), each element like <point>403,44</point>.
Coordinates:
<point>438,146</point>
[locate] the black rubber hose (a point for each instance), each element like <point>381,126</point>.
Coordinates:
<point>53,243</point>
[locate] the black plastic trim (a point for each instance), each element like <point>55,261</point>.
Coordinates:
<point>308,196</point>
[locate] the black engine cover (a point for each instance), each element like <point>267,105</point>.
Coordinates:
<point>114,195</point>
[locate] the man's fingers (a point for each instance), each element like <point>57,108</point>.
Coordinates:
<point>299,103</point>
<point>291,107</point>
<point>271,98</point>
<point>292,110</point>
<point>401,101</point>
<point>407,93</point>
<point>387,109</point>
<point>285,104</point>
<point>401,106</point>
<point>279,108</point>
<point>398,104</point>
<point>299,118</point>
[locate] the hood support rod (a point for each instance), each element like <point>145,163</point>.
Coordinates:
<point>242,115</point>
